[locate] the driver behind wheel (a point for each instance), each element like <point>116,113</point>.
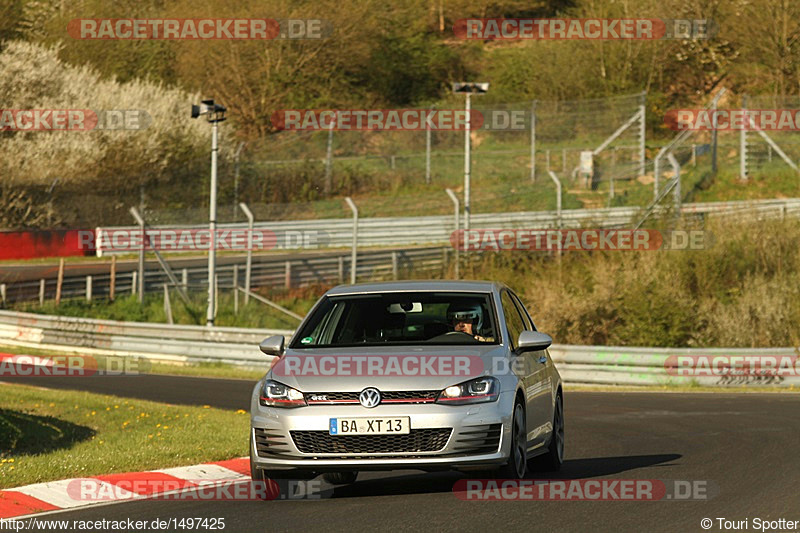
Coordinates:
<point>468,319</point>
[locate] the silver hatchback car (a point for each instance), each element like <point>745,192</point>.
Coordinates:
<point>434,375</point>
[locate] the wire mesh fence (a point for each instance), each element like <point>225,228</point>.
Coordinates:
<point>298,175</point>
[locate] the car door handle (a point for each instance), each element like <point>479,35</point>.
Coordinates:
<point>542,358</point>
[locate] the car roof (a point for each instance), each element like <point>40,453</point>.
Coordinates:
<point>417,286</point>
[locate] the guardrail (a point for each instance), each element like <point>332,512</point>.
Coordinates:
<point>144,339</point>
<point>430,230</point>
<point>625,365</point>
<point>597,365</point>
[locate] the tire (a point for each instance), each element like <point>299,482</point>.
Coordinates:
<point>554,458</point>
<point>340,478</point>
<point>516,466</point>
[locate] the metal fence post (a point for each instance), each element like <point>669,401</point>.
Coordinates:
<point>743,145</point>
<point>41,290</point>
<point>714,137</point>
<point>236,177</point>
<point>112,288</point>
<point>394,265</point>
<point>454,198</point>
<point>60,280</point>
<point>287,274</point>
<point>329,159</point>
<point>428,152</point>
<point>533,141</point>
<point>185,278</point>
<point>642,133</point>
<point>676,167</point>
<point>133,282</point>
<point>248,269</point>
<point>235,288</point>
<point>140,288</point>
<point>558,196</point>
<point>353,252</point>
<point>657,171</point>
<point>167,305</point>
<point>88,288</point>
<point>3,293</point>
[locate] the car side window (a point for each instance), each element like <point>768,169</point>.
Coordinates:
<point>514,323</point>
<point>523,313</point>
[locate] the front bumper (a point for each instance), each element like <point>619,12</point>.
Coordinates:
<point>465,447</point>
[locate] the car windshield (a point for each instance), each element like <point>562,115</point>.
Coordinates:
<point>443,318</point>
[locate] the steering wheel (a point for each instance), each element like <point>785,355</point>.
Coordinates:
<point>459,337</point>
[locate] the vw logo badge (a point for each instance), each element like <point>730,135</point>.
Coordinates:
<point>369,397</point>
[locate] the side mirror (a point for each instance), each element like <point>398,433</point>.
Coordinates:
<point>272,345</point>
<point>533,340</point>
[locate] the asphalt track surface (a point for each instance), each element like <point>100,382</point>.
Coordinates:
<point>743,446</point>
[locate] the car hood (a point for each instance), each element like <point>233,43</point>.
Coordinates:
<point>395,368</point>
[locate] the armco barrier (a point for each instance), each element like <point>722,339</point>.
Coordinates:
<point>158,341</point>
<point>624,365</point>
<point>598,365</point>
<point>430,230</point>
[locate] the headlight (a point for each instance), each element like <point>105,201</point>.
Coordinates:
<point>486,389</point>
<point>274,394</point>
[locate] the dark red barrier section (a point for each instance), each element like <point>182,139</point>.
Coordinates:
<point>48,243</point>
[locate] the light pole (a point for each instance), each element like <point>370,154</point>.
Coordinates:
<point>468,88</point>
<point>215,114</point>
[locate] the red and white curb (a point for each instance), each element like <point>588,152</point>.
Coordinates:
<point>57,495</point>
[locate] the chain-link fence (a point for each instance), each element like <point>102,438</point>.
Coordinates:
<point>775,151</point>
<point>604,152</point>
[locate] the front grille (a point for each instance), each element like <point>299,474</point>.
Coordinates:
<point>478,439</point>
<point>270,443</point>
<point>393,397</point>
<point>418,440</point>
<point>332,397</point>
<point>421,396</point>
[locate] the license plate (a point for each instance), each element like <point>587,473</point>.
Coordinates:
<point>400,425</point>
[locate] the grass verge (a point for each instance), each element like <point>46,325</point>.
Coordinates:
<point>47,435</point>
